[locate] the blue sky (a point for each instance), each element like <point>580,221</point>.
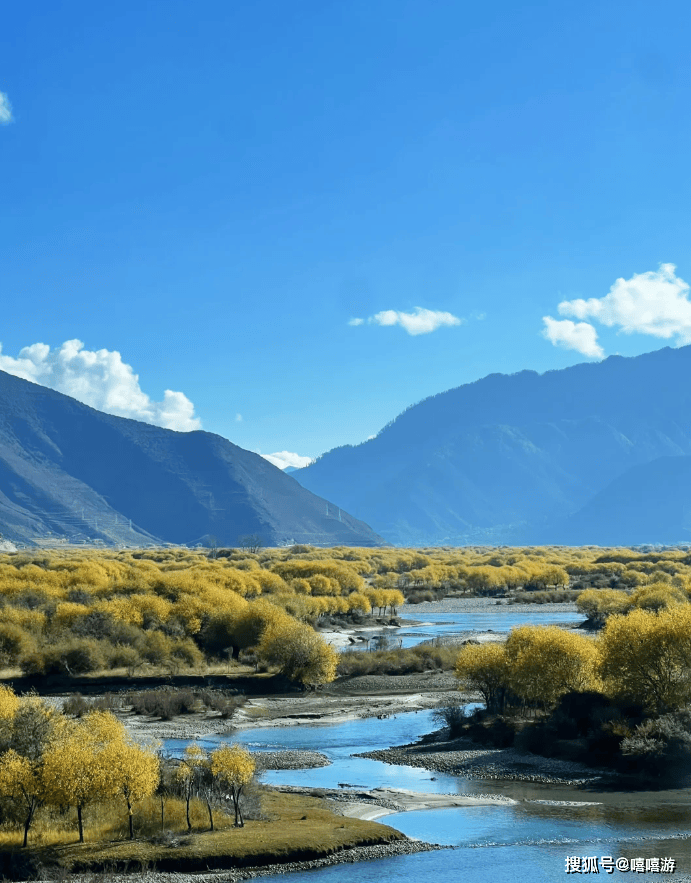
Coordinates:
<point>301,217</point>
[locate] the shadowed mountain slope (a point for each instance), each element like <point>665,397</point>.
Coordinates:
<point>650,503</point>
<point>509,458</point>
<point>69,470</point>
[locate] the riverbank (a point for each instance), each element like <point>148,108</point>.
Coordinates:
<point>342,857</point>
<point>380,802</point>
<point>287,831</point>
<point>462,757</point>
<point>379,696</point>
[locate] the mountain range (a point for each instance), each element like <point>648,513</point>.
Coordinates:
<point>71,473</point>
<point>598,453</point>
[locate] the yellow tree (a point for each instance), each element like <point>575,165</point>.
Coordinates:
<point>135,771</point>
<point>75,764</point>
<point>392,598</point>
<point>249,626</point>
<point>323,585</point>
<point>9,704</point>
<point>546,662</point>
<point>483,668</point>
<point>598,604</point>
<point>556,576</point>
<point>646,657</point>
<point>188,774</point>
<point>481,579</point>
<point>21,779</point>
<point>658,596</point>
<point>376,598</point>
<point>298,652</point>
<point>357,601</point>
<point>233,767</point>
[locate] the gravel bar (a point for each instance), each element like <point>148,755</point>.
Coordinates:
<point>290,760</point>
<point>463,758</point>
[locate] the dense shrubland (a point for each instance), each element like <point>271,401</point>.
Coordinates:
<point>643,658</point>
<point>423,657</point>
<point>73,616</point>
<point>599,604</point>
<point>73,613</point>
<point>625,694</point>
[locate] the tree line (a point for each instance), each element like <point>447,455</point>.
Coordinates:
<point>49,760</point>
<point>643,657</point>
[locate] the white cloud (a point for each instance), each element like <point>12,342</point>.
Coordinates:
<point>655,303</point>
<point>238,418</point>
<point>422,321</point>
<point>5,110</point>
<point>286,458</point>
<point>580,336</point>
<point>102,380</point>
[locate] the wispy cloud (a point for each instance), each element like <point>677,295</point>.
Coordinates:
<point>655,303</point>
<point>102,380</point>
<point>238,418</point>
<point>422,321</point>
<point>5,109</point>
<point>283,459</point>
<point>580,336</point>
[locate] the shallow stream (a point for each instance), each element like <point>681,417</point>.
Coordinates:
<point>500,618</point>
<point>526,841</point>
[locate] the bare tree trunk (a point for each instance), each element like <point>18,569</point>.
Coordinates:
<point>242,821</point>
<point>27,823</point>
<point>79,822</point>
<point>211,817</point>
<point>239,821</point>
<point>129,817</point>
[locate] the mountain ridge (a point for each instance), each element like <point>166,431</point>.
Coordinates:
<point>65,465</point>
<point>508,458</point>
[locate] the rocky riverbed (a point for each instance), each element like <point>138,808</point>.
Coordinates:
<point>378,802</point>
<point>290,760</point>
<point>461,757</point>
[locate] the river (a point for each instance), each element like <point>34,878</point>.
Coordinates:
<point>444,619</point>
<point>506,843</point>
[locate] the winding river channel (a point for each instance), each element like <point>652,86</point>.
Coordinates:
<point>527,839</point>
